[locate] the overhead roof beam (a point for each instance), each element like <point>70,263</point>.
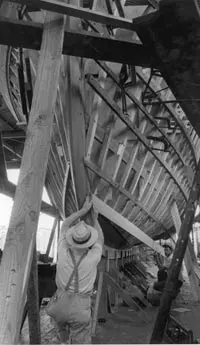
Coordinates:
<point>82,44</point>
<point>74,11</point>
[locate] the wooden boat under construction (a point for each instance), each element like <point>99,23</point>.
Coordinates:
<point>121,128</point>
<point>113,133</point>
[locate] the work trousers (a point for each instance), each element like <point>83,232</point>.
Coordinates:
<point>76,324</point>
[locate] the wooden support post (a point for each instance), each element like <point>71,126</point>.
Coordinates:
<point>125,224</point>
<point>187,259</point>
<point>103,309</point>
<point>33,303</point>
<point>20,240</point>
<point>174,271</point>
<point>117,268</point>
<point>51,238</point>
<point>3,173</point>
<point>97,302</point>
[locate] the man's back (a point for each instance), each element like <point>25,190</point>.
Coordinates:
<point>86,271</point>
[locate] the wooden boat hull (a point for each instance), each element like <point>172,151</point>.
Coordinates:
<point>134,156</point>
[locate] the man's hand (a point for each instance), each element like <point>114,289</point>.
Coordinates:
<point>87,204</point>
<point>94,213</point>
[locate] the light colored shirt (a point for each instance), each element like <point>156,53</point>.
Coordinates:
<point>163,261</point>
<point>87,269</point>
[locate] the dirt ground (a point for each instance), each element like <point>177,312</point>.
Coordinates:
<point>126,326</point>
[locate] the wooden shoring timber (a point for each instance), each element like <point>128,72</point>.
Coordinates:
<point>175,267</point>
<point>92,82</point>
<point>59,120</point>
<point>33,303</point>
<point>52,234</point>
<point>21,236</point>
<point>189,264</point>
<point>97,301</point>
<point>3,172</point>
<point>119,220</point>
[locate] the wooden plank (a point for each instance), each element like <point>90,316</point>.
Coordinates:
<point>194,283</point>
<point>110,281</point>
<point>78,12</point>
<point>53,230</point>
<point>3,172</point>
<point>76,43</point>
<point>177,260</point>
<point>119,220</point>
<point>97,302</point>
<point>33,303</point>
<point>20,240</point>
<point>126,297</point>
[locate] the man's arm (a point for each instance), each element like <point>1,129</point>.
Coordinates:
<point>69,221</point>
<point>97,226</point>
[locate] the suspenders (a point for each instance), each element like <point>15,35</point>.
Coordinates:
<point>75,271</point>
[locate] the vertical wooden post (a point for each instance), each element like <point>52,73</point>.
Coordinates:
<point>117,268</point>
<point>187,258</point>
<point>20,240</point>
<point>51,238</point>
<point>33,303</point>
<point>97,302</point>
<point>177,260</point>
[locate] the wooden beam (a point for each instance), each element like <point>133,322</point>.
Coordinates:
<point>3,172</point>
<point>83,14</point>
<point>15,134</point>
<point>110,281</point>
<point>126,225</point>
<point>194,283</point>
<point>9,189</point>
<point>21,236</point>
<point>13,164</point>
<point>153,3</point>
<point>83,44</point>
<point>97,302</point>
<point>33,303</point>
<point>51,237</point>
<point>175,268</point>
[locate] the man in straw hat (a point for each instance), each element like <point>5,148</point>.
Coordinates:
<point>79,252</point>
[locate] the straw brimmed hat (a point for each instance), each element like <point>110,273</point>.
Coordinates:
<point>81,235</point>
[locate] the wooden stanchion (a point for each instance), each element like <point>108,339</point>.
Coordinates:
<point>33,303</point>
<point>51,238</point>
<point>20,240</point>
<point>174,270</point>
